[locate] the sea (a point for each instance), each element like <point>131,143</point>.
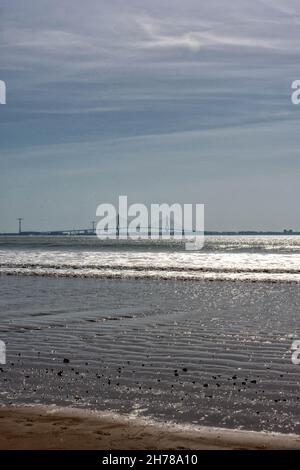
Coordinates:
<point>149,329</point>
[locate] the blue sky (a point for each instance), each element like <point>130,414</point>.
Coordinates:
<point>162,100</point>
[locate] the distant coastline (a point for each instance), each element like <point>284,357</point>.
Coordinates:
<point>88,232</point>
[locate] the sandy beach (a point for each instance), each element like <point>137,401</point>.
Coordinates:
<point>46,428</point>
<point>206,354</point>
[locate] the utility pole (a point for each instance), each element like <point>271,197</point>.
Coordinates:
<point>93,226</point>
<point>20,225</point>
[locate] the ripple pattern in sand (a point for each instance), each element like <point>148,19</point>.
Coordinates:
<point>206,353</point>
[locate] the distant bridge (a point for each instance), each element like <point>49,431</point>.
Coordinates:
<point>151,230</point>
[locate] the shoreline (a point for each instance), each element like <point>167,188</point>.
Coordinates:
<point>39,427</point>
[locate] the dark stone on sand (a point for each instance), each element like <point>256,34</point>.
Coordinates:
<point>66,361</point>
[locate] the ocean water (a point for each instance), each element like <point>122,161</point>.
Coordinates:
<point>149,329</point>
<point>257,258</point>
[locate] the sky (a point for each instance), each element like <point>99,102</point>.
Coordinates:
<point>161,100</point>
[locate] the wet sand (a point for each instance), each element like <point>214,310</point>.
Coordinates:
<point>206,354</point>
<point>46,428</point>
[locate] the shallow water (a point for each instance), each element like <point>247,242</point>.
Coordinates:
<point>209,353</point>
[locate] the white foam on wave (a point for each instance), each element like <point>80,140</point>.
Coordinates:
<point>272,267</point>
